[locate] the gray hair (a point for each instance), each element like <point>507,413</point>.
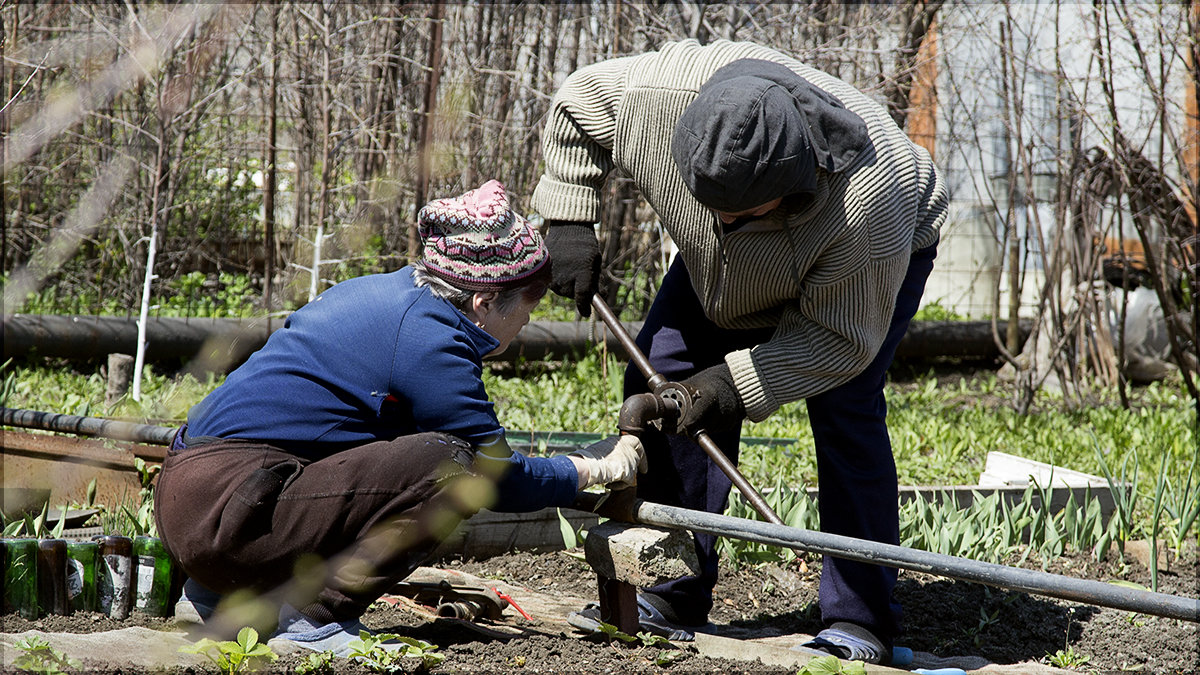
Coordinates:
<point>506,301</point>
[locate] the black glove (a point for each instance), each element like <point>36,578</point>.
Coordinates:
<point>716,405</point>
<point>574,262</point>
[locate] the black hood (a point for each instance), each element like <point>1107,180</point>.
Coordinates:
<point>758,131</point>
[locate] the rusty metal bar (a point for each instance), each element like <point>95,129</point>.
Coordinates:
<point>618,604</point>
<point>656,381</point>
<point>653,378</point>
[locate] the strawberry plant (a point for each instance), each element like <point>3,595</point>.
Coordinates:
<point>245,654</point>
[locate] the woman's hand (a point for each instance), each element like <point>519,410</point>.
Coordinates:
<point>615,461</point>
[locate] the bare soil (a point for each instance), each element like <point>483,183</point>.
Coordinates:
<point>943,617</point>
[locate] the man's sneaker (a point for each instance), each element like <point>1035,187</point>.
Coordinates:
<point>851,642</point>
<point>297,629</point>
<point>196,604</point>
<point>650,619</point>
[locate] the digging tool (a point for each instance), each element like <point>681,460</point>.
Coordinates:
<point>675,400</point>
<point>456,602</point>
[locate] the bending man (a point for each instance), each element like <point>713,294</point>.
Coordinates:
<point>807,224</point>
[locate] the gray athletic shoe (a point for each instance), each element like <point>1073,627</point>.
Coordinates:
<point>299,630</point>
<point>196,604</point>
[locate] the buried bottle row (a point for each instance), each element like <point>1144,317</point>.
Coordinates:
<point>112,575</point>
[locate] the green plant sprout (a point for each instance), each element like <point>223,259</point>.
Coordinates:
<point>986,619</point>
<point>246,654</point>
<point>572,536</point>
<point>34,526</point>
<point>40,657</point>
<point>664,657</point>
<point>831,665</point>
<point>610,632</point>
<point>651,640</point>
<point>142,521</point>
<point>316,664</point>
<point>369,650</point>
<point>1067,657</point>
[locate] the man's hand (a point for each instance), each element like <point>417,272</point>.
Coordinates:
<point>615,461</point>
<point>716,405</point>
<point>574,261</point>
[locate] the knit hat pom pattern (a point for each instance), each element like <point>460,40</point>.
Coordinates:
<point>476,242</point>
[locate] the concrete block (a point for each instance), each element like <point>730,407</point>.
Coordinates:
<point>642,556</point>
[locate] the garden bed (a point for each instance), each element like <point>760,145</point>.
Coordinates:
<point>1014,631</point>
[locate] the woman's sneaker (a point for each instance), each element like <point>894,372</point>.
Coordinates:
<point>299,630</point>
<point>196,604</point>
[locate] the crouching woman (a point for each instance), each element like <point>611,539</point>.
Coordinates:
<point>336,458</point>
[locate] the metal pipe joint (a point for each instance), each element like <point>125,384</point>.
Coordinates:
<point>662,409</point>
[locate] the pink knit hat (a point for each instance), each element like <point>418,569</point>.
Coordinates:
<point>476,242</point>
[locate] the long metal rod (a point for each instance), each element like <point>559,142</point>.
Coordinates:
<point>653,378</point>
<point>706,443</point>
<point>87,426</point>
<point>875,553</point>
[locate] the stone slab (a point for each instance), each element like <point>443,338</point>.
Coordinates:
<point>638,555</point>
<point>136,646</point>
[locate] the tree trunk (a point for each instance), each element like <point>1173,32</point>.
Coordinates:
<point>270,180</point>
<point>425,151</point>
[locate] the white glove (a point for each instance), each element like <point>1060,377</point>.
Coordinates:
<point>614,461</point>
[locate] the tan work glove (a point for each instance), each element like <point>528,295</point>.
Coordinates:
<point>615,461</point>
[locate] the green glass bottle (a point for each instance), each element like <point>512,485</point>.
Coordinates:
<point>153,576</point>
<point>52,577</point>
<point>20,577</point>
<point>114,576</point>
<point>81,575</point>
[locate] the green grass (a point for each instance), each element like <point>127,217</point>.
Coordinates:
<point>941,434</point>
<point>67,389</point>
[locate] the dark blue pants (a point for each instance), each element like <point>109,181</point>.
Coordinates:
<point>856,471</point>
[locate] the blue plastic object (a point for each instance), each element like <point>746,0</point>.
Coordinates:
<point>940,671</point>
<point>901,656</point>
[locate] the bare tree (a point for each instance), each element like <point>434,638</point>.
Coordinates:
<point>356,114</point>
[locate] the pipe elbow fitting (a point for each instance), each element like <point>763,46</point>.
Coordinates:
<point>638,411</point>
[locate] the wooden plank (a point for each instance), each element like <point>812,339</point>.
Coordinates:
<point>66,464</point>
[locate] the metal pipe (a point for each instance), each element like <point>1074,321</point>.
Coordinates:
<point>222,344</point>
<point>658,383</point>
<point>875,553</point>
<point>653,378</point>
<point>87,426</point>
<point>752,496</point>
<point>640,409</point>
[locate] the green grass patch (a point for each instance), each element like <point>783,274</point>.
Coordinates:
<point>941,432</point>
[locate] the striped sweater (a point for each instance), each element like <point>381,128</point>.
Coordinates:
<point>825,277</point>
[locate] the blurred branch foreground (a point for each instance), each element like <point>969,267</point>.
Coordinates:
<point>275,149</point>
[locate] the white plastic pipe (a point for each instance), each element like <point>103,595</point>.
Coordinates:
<point>140,358</point>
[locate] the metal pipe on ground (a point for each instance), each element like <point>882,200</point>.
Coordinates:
<point>660,515</point>
<point>963,569</point>
<point>87,426</point>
